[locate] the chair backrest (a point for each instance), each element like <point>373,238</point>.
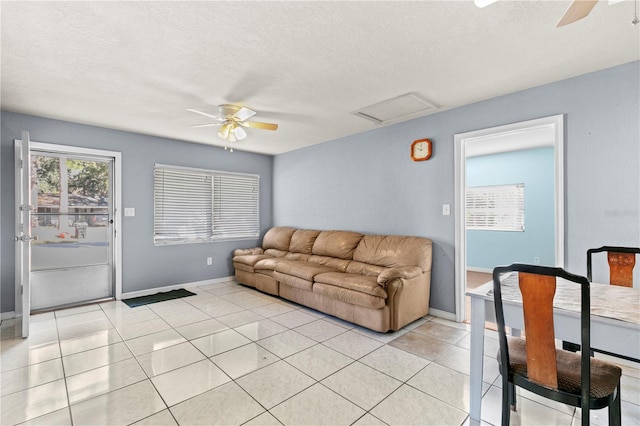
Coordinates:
<point>537,285</point>
<point>621,263</point>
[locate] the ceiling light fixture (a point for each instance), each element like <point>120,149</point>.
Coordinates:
<point>232,119</point>
<point>230,131</point>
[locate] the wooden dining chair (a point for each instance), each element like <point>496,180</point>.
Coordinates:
<point>621,263</point>
<point>535,364</point>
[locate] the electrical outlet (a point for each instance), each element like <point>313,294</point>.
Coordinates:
<point>209,261</point>
<point>536,260</point>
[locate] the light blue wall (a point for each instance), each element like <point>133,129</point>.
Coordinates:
<point>367,182</point>
<point>144,266</point>
<point>534,168</point>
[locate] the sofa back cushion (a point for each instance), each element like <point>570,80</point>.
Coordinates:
<point>394,251</point>
<point>332,262</point>
<point>302,241</point>
<point>297,256</point>
<point>340,244</point>
<point>278,237</point>
<point>275,253</point>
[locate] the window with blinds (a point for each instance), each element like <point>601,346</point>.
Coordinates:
<point>194,205</point>
<point>495,207</point>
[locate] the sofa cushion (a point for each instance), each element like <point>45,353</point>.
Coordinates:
<point>268,264</point>
<point>302,241</point>
<point>278,238</point>
<point>394,251</point>
<point>301,269</point>
<point>249,259</point>
<point>362,283</point>
<point>337,264</point>
<point>340,244</point>
<point>349,296</point>
<point>275,252</point>
<point>293,281</point>
<point>297,256</point>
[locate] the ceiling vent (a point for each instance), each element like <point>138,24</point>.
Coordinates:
<point>396,109</point>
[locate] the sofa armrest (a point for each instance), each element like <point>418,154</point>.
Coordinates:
<point>406,272</point>
<point>243,252</point>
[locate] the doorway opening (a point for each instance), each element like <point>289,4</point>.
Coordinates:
<point>74,254</point>
<point>490,163</point>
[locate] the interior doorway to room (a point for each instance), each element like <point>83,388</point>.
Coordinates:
<point>509,189</point>
<point>72,210</point>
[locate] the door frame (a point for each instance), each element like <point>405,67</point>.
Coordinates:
<point>556,122</point>
<point>116,197</point>
<point>22,208</point>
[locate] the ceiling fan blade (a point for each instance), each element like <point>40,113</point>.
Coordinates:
<point>256,125</point>
<point>240,133</point>
<point>207,125</point>
<point>215,117</point>
<point>244,113</point>
<point>577,10</point>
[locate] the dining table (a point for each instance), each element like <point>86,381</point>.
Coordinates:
<point>615,321</point>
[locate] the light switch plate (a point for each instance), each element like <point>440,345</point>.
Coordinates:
<point>446,209</point>
<point>129,211</point>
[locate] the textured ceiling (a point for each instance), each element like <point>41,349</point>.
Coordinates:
<point>137,66</point>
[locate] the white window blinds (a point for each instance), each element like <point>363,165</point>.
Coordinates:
<point>495,207</point>
<point>194,205</point>
<point>235,206</point>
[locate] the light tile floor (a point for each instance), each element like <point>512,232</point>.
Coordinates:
<point>232,355</point>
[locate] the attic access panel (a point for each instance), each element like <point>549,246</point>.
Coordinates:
<point>396,109</point>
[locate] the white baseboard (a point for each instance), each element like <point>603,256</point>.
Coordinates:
<point>485,270</point>
<point>442,314</point>
<point>154,290</point>
<point>7,315</point>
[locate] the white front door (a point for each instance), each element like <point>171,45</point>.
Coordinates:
<point>23,231</point>
<point>72,258</point>
<point>66,247</point>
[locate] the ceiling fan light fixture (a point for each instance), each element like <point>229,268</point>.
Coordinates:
<point>232,120</point>
<point>239,133</point>
<point>225,130</point>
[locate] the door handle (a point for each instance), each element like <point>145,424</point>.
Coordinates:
<point>25,238</point>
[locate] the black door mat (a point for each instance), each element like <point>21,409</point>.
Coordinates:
<point>158,297</point>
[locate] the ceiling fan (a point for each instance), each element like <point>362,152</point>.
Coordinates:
<point>577,10</point>
<point>232,119</point>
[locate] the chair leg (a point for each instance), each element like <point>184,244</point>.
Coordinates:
<point>615,412</point>
<point>512,396</point>
<point>506,412</point>
<point>586,421</point>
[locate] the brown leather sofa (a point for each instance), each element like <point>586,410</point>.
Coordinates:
<point>377,281</point>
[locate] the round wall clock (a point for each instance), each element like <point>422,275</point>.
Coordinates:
<point>421,150</point>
